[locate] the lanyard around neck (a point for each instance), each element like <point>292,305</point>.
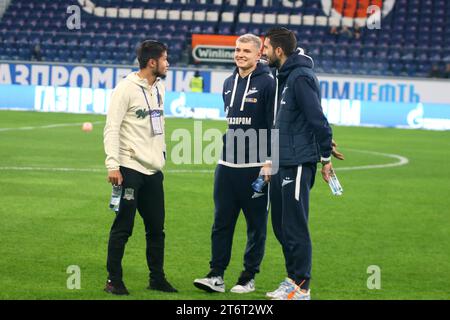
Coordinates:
<point>157,97</point>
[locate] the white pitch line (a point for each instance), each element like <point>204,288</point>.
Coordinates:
<point>95,170</point>
<point>189,171</point>
<point>52,169</point>
<point>50,126</point>
<point>401,162</point>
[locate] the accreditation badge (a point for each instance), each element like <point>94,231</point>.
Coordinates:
<point>156,120</point>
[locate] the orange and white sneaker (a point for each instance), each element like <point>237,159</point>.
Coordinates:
<point>293,292</point>
<point>280,290</point>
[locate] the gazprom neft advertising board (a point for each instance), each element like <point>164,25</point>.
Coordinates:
<point>358,101</point>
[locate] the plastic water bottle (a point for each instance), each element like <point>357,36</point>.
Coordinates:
<point>259,184</point>
<point>115,198</point>
<point>334,184</point>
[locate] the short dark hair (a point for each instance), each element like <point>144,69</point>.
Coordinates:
<point>149,49</point>
<point>283,38</point>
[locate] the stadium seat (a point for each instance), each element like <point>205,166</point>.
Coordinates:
<point>149,14</point>
<point>295,20</point>
<point>136,13</point>
<point>270,18</point>
<point>227,16</point>
<point>124,13</point>
<point>283,19</point>
<point>161,14</point>
<point>257,17</point>
<point>200,15</point>
<point>111,12</point>
<point>187,15</point>
<point>174,14</point>
<point>244,17</point>
<point>100,12</point>
<point>212,16</point>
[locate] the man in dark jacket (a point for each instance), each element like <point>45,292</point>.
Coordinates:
<point>305,138</point>
<point>248,97</point>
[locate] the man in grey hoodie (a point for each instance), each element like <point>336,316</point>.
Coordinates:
<point>135,155</point>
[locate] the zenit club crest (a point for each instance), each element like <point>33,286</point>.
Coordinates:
<point>128,194</point>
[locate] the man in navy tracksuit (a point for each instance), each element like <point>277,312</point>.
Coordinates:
<point>248,98</point>
<point>305,138</point>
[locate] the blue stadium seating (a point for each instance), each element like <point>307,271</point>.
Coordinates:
<point>415,35</point>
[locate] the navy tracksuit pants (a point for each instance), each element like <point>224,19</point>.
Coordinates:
<point>289,196</point>
<point>233,192</point>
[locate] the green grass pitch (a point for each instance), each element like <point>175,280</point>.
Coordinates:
<point>397,218</point>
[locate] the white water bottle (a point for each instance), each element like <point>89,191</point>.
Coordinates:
<point>334,184</point>
<point>116,194</point>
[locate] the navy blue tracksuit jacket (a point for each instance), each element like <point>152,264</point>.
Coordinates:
<point>304,137</point>
<point>248,104</point>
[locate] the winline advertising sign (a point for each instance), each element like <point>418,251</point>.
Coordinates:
<point>213,48</point>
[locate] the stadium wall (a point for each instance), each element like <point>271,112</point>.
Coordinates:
<point>358,101</point>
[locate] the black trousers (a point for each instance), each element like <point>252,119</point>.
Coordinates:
<point>289,196</point>
<point>144,193</point>
<point>233,192</point>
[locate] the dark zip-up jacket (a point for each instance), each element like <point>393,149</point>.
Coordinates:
<point>304,132</point>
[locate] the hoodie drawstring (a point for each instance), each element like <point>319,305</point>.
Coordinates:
<point>245,92</point>
<point>235,88</point>
<point>275,105</point>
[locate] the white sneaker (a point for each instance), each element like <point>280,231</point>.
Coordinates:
<point>212,284</point>
<point>294,292</point>
<point>280,290</point>
<point>244,288</point>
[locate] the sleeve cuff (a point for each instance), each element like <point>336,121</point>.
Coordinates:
<point>322,159</point>
<point>112,167</point>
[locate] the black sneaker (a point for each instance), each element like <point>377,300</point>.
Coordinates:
<point>161,285</point>
<point>117,288</point>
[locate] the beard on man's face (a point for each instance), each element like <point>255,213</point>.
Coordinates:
<point>158,72</point>
<point>274,62</point>
<point>161,75</point>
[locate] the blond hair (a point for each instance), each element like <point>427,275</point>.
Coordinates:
<point>248,37</point>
